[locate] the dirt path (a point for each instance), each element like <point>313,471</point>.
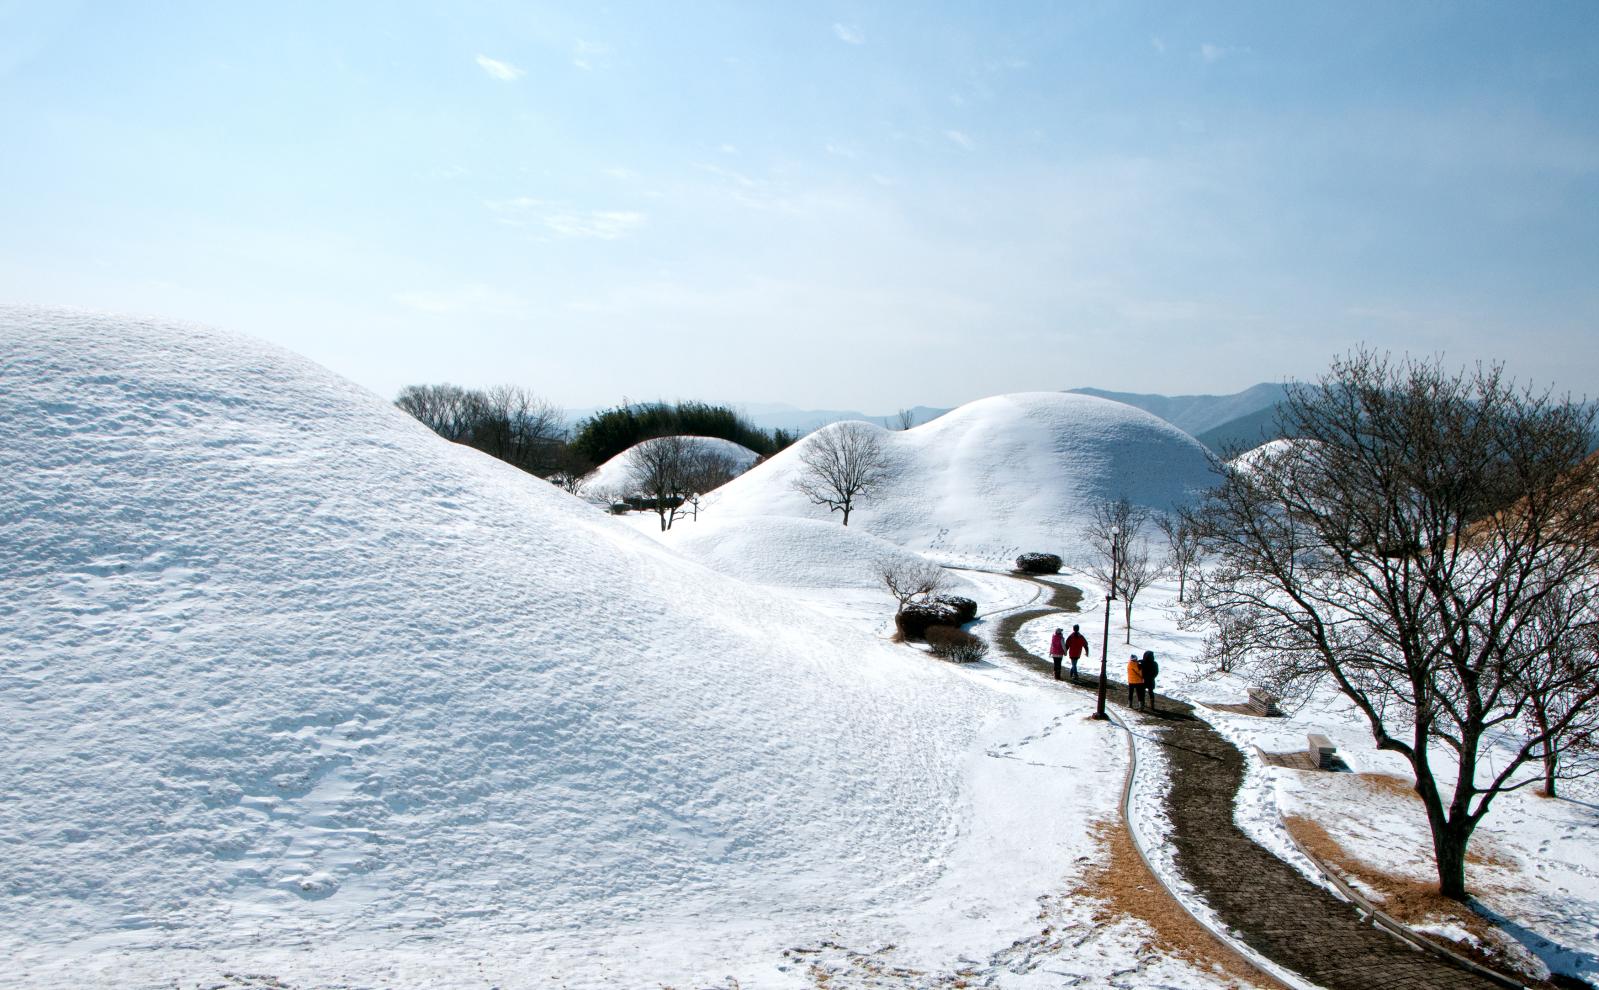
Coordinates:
<point>1268,904</point>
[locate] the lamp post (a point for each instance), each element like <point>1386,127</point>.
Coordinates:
<point>1110,596</point>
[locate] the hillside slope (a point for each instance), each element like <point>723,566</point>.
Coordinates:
<point>1007,473</point>
<point>283,667</point>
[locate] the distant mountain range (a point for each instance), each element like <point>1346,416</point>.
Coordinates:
<point>1198,414</point>
<point>1220,422</point>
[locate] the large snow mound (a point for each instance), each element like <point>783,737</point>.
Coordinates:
<point>281,666</point>
<point>611,478</point>
<point>786,552</point>
<point>1010,473</point>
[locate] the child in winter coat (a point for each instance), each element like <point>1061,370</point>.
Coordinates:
<point>1057,649</point>
<point>1135,682</point>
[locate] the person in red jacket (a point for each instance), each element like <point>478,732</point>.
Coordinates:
<point>1076,648</point>
<point>1057,649</point>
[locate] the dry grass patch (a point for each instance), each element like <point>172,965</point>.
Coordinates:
<point>1123,886</point>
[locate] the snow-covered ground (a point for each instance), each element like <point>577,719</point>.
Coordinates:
<point>1533,863</point>
<point>294,688</point>
<point>612,480</point>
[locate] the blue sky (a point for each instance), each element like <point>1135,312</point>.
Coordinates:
<point>847,205</point>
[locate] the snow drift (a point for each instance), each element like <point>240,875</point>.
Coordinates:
<point>611,478</point>
<point>1002,474</point>
<point>282,665</point>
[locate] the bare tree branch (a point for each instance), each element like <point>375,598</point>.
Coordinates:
<point>841,463</point>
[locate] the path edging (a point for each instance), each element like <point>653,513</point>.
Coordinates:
<point>1388,922</point>
<point>1286,976</point>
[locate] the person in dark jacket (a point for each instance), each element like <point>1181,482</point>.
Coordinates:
<point>1076,648</point>
<point>1149,668</point>
<point>1057,649</point>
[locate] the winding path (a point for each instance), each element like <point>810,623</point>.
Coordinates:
<point>1268,904</point>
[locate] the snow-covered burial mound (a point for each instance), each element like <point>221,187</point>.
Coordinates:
<point>613,478</point>
<point>1021,471</point>
<point>279,664</point>
<point>796,553</point>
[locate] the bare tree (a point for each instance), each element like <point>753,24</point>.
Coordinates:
<point>708,470</point>
<point>904,419</point>
<point>841,463</point>
<point>1402,551</point>
<point>1182,548</point>
<point>1558,672</point>
<point>573,471</point>
<point>449,410</point>
<point>910,579</point>
<point>1118,553</point>
<point>659,469</point>
<point>507,422</point>
<point>1139,569</point>
<point>521,428</point>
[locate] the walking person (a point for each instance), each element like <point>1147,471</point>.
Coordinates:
<point>1057,649</point>
<point>1135,682</point>
<point>1076,649</point>
<point>1149,669</point>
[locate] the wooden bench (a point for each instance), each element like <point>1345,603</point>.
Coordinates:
<point>1322,751</point>
<point>1263,703</point>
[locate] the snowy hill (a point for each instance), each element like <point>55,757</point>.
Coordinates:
<point>284,668</point>
<point>611,478</point>
<point>1007,473</point>
<point>790,553</point>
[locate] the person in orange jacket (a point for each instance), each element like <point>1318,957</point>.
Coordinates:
<point>1135,682</point>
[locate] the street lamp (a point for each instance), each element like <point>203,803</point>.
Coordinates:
<point>1110,596</point>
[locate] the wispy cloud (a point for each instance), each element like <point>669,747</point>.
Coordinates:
<point>585,54</point>
<point>503,71</point>
<point>566,221</point>
<point>1215,53</point>
<point>850,34</point>
<point>961,138</point>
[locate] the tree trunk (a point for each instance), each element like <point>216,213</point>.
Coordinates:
<point>1549,773</point>
<point>846,513</point>
<point>1182,582</point>
<point>1450,849</point>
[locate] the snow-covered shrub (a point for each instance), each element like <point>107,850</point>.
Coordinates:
<point>955,644</point>
<point>965,608</point>
<point>913,620</point>
<point>1038,563</point>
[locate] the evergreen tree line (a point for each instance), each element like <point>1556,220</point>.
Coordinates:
<point>611,431</point>
<point>522,429</point>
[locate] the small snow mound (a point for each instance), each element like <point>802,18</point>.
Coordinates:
<point>1253,458</point>
<point>611,478</point>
